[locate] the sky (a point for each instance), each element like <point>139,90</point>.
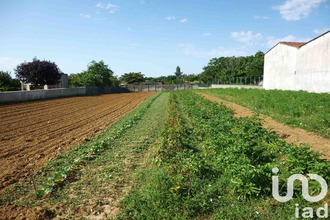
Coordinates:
<point>151,36</point>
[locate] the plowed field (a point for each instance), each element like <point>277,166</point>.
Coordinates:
<point>35,132</point>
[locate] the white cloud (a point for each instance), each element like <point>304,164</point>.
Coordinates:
<point>85,15</point>
<point>172,17</point>
<point>294,10</point>
<point>260,17</point>
<point>272,41</point>
<point>184,20</point>
<point>246,37</point>
<point>206,34</point>
<point>189,50</point>
<point>108,6</point>
<point>321,31</point>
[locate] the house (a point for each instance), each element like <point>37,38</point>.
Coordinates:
<point>299,65</point>
<point>63,83</point>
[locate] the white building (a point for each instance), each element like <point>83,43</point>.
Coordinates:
<point>299,65</point>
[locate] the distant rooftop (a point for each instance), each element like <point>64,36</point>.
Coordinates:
<point>293,44</point>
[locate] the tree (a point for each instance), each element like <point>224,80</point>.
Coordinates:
<point>223,68</point>
<point>38,72</point>
<point>97,74</point>
<point>178,72</point>
<point>75,80</point>
<point>132,78</point>
<point>7,83</point>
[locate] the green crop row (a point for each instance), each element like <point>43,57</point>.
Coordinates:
<point>213,165</point>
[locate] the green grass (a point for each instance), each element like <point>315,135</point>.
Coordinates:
<point>212,165</point>
<point>309,111</point>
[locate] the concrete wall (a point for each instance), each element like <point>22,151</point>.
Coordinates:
<point>280,67</point>
<point>313,66</point>
<point>21,96</point>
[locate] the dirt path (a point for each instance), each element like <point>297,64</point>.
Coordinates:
<point>289,134</point>
<point>33,133</point>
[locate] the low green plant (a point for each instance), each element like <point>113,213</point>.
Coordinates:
<point>212,165</point>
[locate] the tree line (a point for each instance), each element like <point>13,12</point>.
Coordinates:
<point>233,67</point>
<point>100,74</point>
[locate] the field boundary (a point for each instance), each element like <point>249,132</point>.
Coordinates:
<point>290,135</point>
<point>23,96</point>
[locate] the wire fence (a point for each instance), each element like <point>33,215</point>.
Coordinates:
<point>252,80</point>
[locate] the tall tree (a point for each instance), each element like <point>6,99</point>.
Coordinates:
<point>97,74</point>
<point>178,72</point>
<point>132,78</point>
<point>38,72</point>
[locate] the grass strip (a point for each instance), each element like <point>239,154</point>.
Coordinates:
<point>309,111</point>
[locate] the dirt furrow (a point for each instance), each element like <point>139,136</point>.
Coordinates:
<point>35,132</point>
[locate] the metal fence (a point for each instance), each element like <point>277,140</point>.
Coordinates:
<point>252,80</point>
<point>159,88</point>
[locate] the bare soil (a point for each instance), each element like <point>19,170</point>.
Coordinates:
<point>35,132</point>
<point>291,135</point>
<point>18,212</point>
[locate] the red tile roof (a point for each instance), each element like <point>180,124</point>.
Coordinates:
<point>298,44</point>
<point>293,44</point>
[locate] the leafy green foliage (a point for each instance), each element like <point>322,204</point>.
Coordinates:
<point>97,74</point>
<point>302,109</point>
<point>225,67</point>
<point>212,164</point>
<point>132,78</point>
<point>7,83</point>
<point>178,72</point>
